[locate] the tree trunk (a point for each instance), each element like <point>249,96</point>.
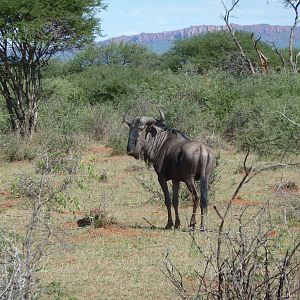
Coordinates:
<point>20,87</point>
<point>9,105</point>
<point>23,121</point>
<point>293,59</point>
<point>32,120</point>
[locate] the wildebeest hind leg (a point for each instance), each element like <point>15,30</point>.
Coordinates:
<point>175,202</point>
<point>191,186</point>
<point>165,190</point>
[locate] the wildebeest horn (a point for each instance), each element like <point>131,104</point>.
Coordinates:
<point>161,114</point>
<point>147,120</point>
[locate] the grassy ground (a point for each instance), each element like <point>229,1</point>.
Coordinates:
<point>124,260</point>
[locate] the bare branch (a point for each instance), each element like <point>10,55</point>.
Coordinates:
<point>261,57</point>
<point>226,18</point>
<point>293,59</point>
<point>287,118</point>
<point>175,277</point>
<point>279,53</point>
<point>151,225</point>
<point>241,263</point>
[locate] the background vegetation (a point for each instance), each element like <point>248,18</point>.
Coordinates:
<point>204,95</point>
<point>205,89</point>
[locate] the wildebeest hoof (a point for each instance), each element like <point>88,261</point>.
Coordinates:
<point>191,228</point>
<point>177,225</point>
<point>203,229</point>
<point>169,226</point>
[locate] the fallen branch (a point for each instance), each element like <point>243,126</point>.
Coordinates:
<point>151,225</point>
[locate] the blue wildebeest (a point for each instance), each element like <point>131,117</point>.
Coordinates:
<point>174,157</point>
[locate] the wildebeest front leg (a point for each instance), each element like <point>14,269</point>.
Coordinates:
<point>175,202</point>
<point>165,190</point>
<point>191,186</point>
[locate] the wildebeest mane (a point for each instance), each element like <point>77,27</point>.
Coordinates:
<point>159,144</point>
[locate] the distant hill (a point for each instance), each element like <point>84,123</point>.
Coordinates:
<point>162,41</point>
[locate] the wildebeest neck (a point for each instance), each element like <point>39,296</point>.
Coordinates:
<point>157,142</point>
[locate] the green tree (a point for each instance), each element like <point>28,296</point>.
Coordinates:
<point>123,54</point>
<point>31,32</point>
<point>215,49</point>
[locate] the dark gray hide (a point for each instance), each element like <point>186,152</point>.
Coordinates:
<point>174,157</point>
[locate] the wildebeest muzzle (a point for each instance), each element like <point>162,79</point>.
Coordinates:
<point>132,141</point>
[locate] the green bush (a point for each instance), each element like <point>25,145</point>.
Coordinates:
<point>215,107</point>
<point>256,121</point>
<point>13,148</point>
<point>118,143</point>
<point>102,122</point>
<point>58,152</point>
<point>110,84</point>
<point>123,54</point>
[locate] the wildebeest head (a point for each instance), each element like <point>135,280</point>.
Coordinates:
<point>137,133</point>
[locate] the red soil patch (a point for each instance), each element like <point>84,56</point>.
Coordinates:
<point>158,213</point>
<point>70,225</point>
<point>20,162</point>
<point>5,193</point>
<point>103,153</point>
<point>243,202</point>
<point>111,230</point>
<point>115,231</point>
<point>99,150</point>
<point>71,260</point>
<point>272,234</point>
<point>8,203</point>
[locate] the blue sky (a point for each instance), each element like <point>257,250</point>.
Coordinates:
<point>135,16</point>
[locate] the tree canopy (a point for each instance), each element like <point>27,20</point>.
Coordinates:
<point>31,32</point>
<point>123,54</point>
<point>53,25</point>
<point>215,49</point>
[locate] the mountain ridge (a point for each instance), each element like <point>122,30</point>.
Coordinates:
<point>278,34</point>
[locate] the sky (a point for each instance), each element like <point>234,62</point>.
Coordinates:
<point>128,17</point>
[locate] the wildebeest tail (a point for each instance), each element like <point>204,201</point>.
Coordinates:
<point>207,167</point>
<point>204,190</point>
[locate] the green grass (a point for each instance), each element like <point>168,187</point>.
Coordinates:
<point>123,261</point>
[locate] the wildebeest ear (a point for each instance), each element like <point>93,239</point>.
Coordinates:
<point>157,128</point>
<point>125,124</point>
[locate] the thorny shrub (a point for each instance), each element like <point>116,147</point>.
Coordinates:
<point>245,258</point>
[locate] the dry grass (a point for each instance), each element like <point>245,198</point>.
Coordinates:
<point>123,261</point>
